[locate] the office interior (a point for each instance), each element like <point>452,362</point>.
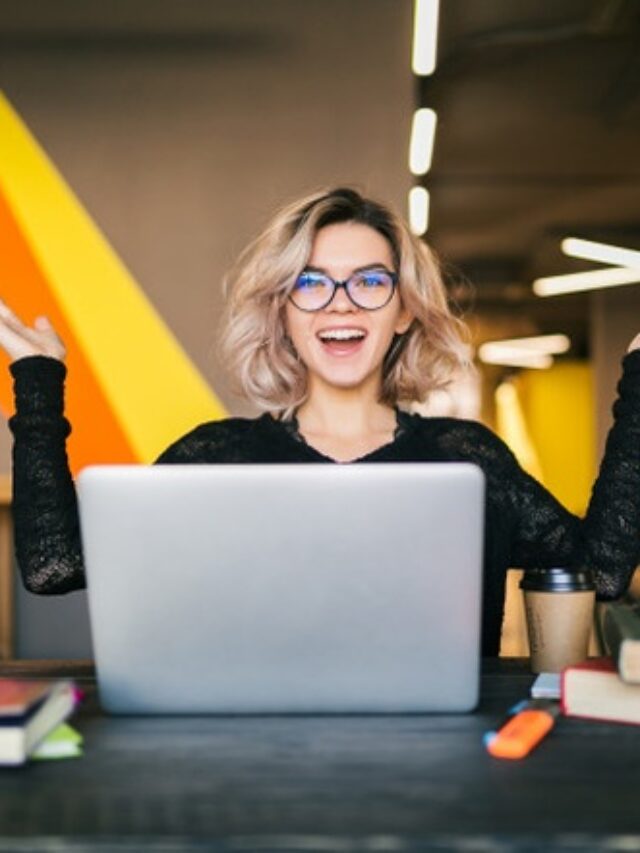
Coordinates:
<point>180,127</point>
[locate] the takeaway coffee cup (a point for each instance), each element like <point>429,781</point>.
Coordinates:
<point>559,605</point>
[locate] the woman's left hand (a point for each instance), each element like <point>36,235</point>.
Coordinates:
<point>635,343</point>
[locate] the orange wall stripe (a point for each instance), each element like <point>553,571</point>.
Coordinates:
<point>97,437</point>
<point>153,388</point>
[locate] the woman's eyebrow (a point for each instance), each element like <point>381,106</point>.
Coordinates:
<point>374,265</point>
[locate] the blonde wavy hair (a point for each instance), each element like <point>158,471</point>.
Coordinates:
<point>255,347</point>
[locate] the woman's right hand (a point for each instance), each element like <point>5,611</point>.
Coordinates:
<point>20,341</point>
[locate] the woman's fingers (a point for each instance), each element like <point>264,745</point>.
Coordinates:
<point>13,337</point>
<point>19,340</point>
<point>13,343</point>
<point>50,338</point>
<point>635,343</point>
<point>7,316</point>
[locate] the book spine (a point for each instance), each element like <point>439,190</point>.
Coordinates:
<point>621,633</point>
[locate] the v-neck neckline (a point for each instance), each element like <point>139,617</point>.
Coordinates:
<point>404,424</point>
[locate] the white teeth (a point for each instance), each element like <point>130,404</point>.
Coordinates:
<point>341,335</point>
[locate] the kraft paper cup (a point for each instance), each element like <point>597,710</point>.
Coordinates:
<point>559,606</point>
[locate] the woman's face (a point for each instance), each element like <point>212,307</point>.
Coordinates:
<point>343,346</point>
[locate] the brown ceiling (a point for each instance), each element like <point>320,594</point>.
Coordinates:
<point>538,125</point>
<point>538,138</point>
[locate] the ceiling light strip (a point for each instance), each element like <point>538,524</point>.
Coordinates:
<point>546,344</point>
<point>418,210</point>
<point>423,132</point>
<point>425,36</point>
<point>594,280</point>
<point>603,253</point>
<point>514,358</point>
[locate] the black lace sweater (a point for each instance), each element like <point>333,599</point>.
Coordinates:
<point>525,524</point>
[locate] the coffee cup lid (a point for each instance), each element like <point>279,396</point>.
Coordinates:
<point>557,580</point>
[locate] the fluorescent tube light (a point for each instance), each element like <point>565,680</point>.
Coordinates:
<point>593,280</point>
<point>604,253</point>
<point>546,344</point>
<point>534,351</point>
<point>491,353</point>
<point>418,210</point>
<point>425,36</point>
<point>423,131</point>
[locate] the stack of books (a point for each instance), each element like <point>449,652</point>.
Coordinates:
<point>31,717</point>
<point>608,688</point>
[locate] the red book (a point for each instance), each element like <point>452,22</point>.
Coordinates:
<point>29,710</point>
<point>17,697</point>
<point>594,690</point>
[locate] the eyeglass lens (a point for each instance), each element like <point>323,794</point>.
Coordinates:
<point>370,289</point>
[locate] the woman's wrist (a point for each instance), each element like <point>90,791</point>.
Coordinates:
<point>631,361</point>
<point>37,364</point>
<point>38,384</point>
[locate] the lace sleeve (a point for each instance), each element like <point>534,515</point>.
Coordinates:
<point>611,531</point>
<point>45,513</point>
<point>544,533</point>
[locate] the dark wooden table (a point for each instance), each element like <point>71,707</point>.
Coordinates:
<point>325,784</point>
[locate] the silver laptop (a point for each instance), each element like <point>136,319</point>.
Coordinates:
<point>284,588</point>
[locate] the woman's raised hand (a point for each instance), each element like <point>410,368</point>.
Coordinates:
<point>19,340</point>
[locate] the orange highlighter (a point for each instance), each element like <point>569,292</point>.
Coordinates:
<point>525,726</point>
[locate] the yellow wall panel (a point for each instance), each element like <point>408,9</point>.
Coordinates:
<point>98,437</point>
<point>559,409</point>
<point>153,389</point>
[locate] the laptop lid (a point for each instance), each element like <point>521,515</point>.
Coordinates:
<point>284,588</point>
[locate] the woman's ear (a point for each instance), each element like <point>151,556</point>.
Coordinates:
<point>405,319</point>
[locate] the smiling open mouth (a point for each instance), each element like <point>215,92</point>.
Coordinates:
<point>342,341</point>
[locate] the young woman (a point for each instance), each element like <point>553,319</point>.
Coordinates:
<point>336,316</point>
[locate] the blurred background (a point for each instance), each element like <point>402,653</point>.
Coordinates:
<point>501,129</point>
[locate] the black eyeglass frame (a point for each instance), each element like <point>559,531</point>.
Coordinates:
<point>345,286</point>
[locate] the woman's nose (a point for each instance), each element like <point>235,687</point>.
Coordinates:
<point>341,302</point>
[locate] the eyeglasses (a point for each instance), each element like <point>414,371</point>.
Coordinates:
<point>368,289</point>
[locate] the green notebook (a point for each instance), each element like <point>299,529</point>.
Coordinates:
<point>63,742</point>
